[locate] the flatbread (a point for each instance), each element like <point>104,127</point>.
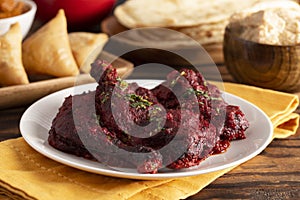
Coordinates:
<point>12,71</point>
<point>48,51</point>
<point>86,47</point>
<point>204,21</point>
<point>206,33</point>
<point>176,13</point>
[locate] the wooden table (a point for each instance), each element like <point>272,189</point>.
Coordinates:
<point>274,174</point>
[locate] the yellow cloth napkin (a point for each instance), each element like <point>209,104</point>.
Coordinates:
<point>24,173</point>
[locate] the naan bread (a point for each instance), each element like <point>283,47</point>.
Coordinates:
<point>204,21</point>
<point>176,13</point>
<point>206,33</point>
<point>86,47</point>
<point>48,51</point>
<point>11,68</point>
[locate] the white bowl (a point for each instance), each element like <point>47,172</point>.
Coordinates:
<point>25,20</point>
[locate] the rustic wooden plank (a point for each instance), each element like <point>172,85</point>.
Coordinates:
<point>22,95</point>
<point>274,174</point>
<point>4,197</point>
<point>265,192</point>
<point>9,123</point>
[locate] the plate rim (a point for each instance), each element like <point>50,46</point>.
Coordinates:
<point>112,172</point>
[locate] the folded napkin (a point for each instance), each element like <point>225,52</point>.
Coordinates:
<point>26,174</point>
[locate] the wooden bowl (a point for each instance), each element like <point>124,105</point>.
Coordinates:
<point>263,65</point>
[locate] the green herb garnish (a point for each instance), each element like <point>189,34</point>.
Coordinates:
<point>200,93</point>
<point>177,78</point>
<point>137,101</point>
<point>105,97</point>
<point>122,84</point>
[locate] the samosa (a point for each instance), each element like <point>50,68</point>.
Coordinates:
<point>48,51</point>
<point>12,71</point>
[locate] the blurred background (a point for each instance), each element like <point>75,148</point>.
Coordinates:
<point>82,15</point>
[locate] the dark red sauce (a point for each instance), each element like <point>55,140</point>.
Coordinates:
<point>124,125</point>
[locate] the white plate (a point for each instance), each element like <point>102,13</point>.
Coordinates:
<point>37,119</point>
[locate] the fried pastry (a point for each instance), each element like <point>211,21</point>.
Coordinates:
<point>86,47</point>
<point>11,68</point>
<point>48,51</point>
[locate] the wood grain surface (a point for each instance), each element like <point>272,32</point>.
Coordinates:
<point>21,95</point>
<point>111,26</point>
<point>273,174</point>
